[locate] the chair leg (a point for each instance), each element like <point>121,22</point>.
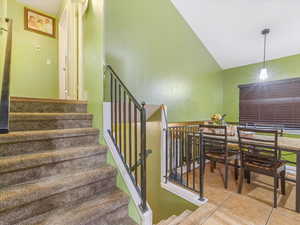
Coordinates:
<point>275,191</point>
<point>241,181</point>
<point>236,169</point>
<point>226,176</point>
<point>282,182</point>
<point>248,174</point>
<point>212,166</point>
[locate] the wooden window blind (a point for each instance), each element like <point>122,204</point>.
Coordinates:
<point>274,102</point>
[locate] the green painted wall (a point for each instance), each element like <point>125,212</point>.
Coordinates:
<point>160,58</point>
<point>287,67</point>
<point>30,74</point>
<point>3,35</point>
<point>94,78</point>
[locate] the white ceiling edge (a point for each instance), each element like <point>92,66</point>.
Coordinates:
<point>237,42</point>
<point>48,6</point>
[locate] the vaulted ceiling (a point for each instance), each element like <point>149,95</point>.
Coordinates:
<point>49,6</point>
<point>230,29</point>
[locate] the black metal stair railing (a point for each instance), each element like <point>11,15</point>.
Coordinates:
<point>4,104</point>
<point>184,158</point>
<point>128,132</point>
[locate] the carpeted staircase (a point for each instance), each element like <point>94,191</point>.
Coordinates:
<point>53,170</point>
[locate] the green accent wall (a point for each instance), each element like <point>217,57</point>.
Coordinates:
<point>3,36</point>
<point>283,68</point>
<point>160,59</point>
<point>93,60</point>
<point>30,74</point>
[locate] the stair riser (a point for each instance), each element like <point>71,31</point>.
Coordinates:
<point>63,167</point>
<point>48,124</point>
<point>50,144</point>
<point>47,107</point>
<point>65,199</point>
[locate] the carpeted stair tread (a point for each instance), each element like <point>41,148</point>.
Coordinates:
<point>20,194</point>
<point>23,136</point>
<point>48,121</point>
<point>125,221</point>
<point>46,100</point>
<point>17,116</point>
<point>89,211</point>
<point>23,161</point>
<point>23,104</point>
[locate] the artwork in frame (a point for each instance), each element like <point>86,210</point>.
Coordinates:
<point>39,23</point>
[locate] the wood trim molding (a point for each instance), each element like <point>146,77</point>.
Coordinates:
<point>187,123</point>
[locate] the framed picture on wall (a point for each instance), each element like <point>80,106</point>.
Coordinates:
<point>39,23</point>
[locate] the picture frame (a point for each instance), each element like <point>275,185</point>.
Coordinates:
<point>39,23</point>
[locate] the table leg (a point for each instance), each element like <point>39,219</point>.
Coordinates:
<point>298,183</point>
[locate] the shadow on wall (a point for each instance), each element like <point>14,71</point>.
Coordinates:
<point>163,203</point>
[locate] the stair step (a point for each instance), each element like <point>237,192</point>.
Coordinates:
<point>26,167</point>
<point>22,104</point>
<point>49,121</point>
<point>124,221</point>
<point>167,221</point>
<point>22,142</point>
<point>21,194</point>
<point>94,212</point>
<point>180,218</point>
<point>35,212</point>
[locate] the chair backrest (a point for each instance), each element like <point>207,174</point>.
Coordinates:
<point>214,138</point>
<point>259,146</point>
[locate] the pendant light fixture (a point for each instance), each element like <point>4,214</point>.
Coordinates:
<point>264,72</point>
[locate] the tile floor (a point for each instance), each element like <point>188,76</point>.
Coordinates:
<point>253,206</point>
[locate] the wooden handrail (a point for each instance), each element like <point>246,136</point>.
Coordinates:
<point>4,104</point>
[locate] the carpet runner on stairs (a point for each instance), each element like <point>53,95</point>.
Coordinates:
<point>53,170</point>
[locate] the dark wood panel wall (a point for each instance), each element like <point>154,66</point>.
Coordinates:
<point>274,102</point>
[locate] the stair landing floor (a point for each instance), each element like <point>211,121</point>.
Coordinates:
<point>253,206</point>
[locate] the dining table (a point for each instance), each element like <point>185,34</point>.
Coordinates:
<point>287,144</point>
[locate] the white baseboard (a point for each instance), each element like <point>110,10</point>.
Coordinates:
<point>183,193</point>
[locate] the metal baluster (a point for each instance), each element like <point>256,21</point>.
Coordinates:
<point>124,127</point>
<point>143,157</point>
<point>201,167</point>
<point>194,158</point>
<point>176,152</point>
<point>120,121</point>
<point>171,151</point>
<point>167,155</point>
<point>135,144</point>
<point>130,138</point>
<point>111,105</point>
<point>116,113</point>
<point>181,154</point>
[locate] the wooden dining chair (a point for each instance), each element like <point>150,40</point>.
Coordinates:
<point>260,154</point>
<point>216,149</point>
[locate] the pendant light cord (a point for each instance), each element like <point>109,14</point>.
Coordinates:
<point>265,47</point>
